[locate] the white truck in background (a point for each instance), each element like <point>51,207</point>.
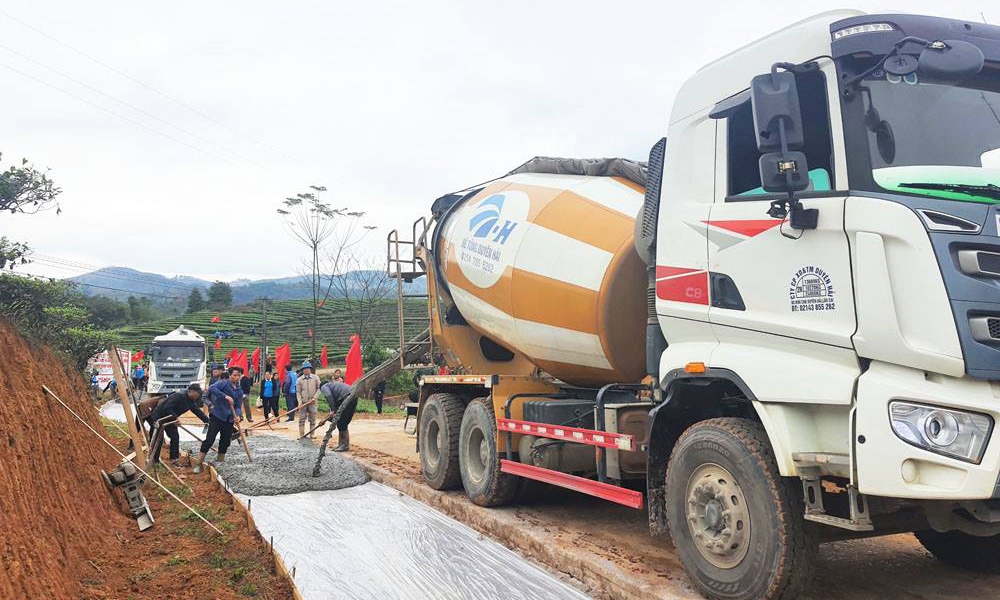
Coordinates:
<point>177,359</point>
<point>784,330</point>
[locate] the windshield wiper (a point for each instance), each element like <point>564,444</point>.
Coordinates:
<point>989,190</point>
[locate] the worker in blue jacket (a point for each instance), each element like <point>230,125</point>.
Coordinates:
<point>225,398</point>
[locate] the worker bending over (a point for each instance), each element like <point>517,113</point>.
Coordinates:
<point>225,412</point>
<point>336,393</point>
<point>170,409</point>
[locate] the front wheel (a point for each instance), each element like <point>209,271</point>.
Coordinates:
<point>736,523</point>
<point>980,554</point>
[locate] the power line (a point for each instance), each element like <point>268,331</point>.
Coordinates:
<point>150,88</point>
<point>179,102</point>
<point>132,106</point>
<point>111,112</point>
<point>98,271</point>
<point>100,287</point>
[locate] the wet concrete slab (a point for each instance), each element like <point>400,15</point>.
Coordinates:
<point>371,541</point>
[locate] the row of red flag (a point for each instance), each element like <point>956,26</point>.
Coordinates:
<point>283,357</point>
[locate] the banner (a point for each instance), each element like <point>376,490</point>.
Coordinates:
<point>102,363</point>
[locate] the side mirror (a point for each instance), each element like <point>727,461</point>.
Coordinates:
<point>777,122</point>
<point>776,114</point>
<point>784,172</point>
<point>949,61</point>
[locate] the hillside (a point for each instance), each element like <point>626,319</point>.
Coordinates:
<point>287,322</point>
<point>121,282</point>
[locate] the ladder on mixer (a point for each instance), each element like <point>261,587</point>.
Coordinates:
<point>404,266</point>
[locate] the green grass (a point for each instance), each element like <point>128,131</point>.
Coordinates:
<point>287,322</point>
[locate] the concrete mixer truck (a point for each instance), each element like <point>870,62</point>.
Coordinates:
<point>782,329</point>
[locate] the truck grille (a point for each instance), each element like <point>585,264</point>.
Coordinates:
<point>176,377</point>
<point>985,329</point>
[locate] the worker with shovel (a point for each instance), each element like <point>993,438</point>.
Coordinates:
<point>307,387</point>
<point>168,411</point>
<point>225,415</point>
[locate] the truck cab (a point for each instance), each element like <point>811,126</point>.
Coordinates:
<point>177,359</point>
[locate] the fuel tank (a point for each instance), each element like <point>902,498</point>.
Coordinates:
<point>545,264</point>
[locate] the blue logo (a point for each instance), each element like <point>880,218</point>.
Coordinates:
<point>486,221</point>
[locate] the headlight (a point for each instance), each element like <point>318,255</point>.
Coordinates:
<point>955,433</point>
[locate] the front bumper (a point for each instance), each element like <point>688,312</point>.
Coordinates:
<point>888,466</point>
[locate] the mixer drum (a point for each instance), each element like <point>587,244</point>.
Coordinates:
<point>545,264</point>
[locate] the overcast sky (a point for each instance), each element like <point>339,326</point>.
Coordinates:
<point>175,129</point>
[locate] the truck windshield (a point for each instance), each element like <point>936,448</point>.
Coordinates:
<point>934,140</point>
<point>178,353</point>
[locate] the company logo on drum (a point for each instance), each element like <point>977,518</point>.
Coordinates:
<point>486,222</point>
<point>495,226</point>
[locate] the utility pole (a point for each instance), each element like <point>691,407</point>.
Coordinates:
<point>264,334</point>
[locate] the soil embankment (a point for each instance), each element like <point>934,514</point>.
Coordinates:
<point>64,537</point>
<point>54,511</point>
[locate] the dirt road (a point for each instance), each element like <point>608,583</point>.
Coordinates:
<point>608,547</point>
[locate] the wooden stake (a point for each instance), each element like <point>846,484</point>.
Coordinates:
<point>134,433</point>
<point>271,419</point>
<point>138,468</point>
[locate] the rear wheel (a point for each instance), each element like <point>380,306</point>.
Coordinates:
<point>736,523</point>
<point>981,554</point>
<point>440,422</point>
<point>479,459</point>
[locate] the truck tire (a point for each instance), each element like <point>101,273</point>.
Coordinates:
<point>980,554</point>
<point>479,459</point>
<point>440,421</point>
<point>736,523</point>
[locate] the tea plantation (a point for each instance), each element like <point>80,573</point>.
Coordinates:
<point>287,322</point>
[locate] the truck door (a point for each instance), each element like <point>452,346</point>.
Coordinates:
<point>782,303</point>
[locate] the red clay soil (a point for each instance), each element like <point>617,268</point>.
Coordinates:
<point>63,536</point>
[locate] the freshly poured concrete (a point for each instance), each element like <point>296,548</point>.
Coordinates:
<point>371,541</point>
<point>283,466</point>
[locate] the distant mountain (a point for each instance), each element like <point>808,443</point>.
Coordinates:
<point>121,282</point>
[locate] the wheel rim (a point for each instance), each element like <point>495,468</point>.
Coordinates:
<point>717,516</point>
<point>432,452</point>
<point>476,455</point>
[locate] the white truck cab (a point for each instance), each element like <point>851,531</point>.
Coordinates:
<point>177,360</point>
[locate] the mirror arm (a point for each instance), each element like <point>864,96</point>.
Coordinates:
<point>910,39</point>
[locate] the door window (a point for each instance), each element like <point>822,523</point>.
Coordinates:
<point>743,156</point>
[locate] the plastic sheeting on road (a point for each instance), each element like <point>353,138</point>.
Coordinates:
<point>371,541</point>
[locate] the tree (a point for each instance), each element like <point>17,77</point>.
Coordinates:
<point>220,296</point>
<point>54,313</point>
<point>107,313</point>
<point>141,310</point>
<point>25,189</point>
<point>196,301</point>
<point>13,253</point>
<point>364,286</point>
<point>328,233</point>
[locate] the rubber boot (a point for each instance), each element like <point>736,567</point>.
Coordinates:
<point>221,457</point>
<point>345,442</point>
<point>312,428</point>
<point>196,463</point>
<point>302,429</point>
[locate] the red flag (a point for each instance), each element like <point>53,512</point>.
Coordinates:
<point>216,319</point>
<point>240,360</point>
<point>255,359</point>
<point>231,355</point>
<point>138,356</point>
<point>218,343</point>
<point>282,357</point>
<point>354,368</point>
<point>322,358</point>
